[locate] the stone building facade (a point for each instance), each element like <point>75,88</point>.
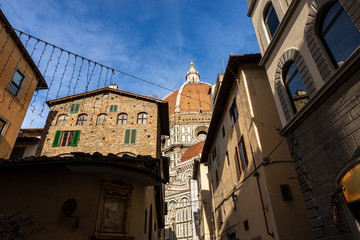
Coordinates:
<point>106,120</point>
<point>252,181</point>
<point>190,114</point>
<point>19,78</point>
<point>313,46</point>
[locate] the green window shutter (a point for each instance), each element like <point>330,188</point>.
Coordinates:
<point>113,108</point>
<point>127,136</point>
<point>57,139</point>
<point>74,107</point>
<point>133,136</point>
<point>77,106</point>
<point>75,140</point>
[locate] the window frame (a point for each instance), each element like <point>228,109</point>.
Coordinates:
<point>131,132</point>
<point>142,118</point>
<point>122,119</point>
<point>3,127</point>
<point>241,151</point>
<point>269,6</point>
<point>12,83</point>
<point>234,113</point>
<point>324,42</point>
<point>81,122</point>
<point>113,108</point>
<point>59,138</point>
<point>74,107</point>
<point>63,121</point>
<point>111,192</point>
<point>98,119</point>
<point>287,81</point>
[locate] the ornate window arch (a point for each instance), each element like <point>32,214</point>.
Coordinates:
<point>319,51</point>
<point>289,56</point>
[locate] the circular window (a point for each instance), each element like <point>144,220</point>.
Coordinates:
<point>201,136</point>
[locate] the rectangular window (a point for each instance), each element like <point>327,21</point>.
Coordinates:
<point>16,81</point>
<point>66,138</point>
<point>233,112</point>
<point>2,126</point>
<point>74,107</point>
<point>113,108</point>
<point>242,153</point>
<point>286,192</point>
<point>130,137</point>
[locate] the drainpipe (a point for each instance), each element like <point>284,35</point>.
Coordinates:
<point>253,158</point>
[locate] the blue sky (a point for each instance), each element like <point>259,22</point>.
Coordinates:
<point>152,39</point>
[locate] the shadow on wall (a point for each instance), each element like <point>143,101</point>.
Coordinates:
<point>5,148</point>
<point>49,120</point>
<point>170,234</point>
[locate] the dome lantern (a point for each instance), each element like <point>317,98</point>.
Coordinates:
<point>192,75</point>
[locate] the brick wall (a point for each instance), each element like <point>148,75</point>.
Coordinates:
<point>323,145</point>
<point>107,138</point>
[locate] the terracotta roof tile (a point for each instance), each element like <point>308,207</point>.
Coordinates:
<point>193,151</point>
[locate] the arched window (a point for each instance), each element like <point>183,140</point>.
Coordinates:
<point>338,34</point>
<point>61,120</point>
<point>142,118</point>
<point>122,118</point>
<point>81,121</point>
<point>101,119</point>
<point>295,87</point>
<point>271,20</point>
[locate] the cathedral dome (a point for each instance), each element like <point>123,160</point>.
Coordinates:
<point>193,96</point>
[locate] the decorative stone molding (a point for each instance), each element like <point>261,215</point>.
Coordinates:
<point>323,63</point>
<point>292,55</point>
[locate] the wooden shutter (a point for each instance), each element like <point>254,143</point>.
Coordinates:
<point>113,108</point>
<point>74,107</point>
<point>77,106</point>
<point>57,139</point>
<point>76,137</point>
<point>127,136</point>
<point>133,136</point>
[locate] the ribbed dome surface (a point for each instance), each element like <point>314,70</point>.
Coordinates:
<point>194,96</point>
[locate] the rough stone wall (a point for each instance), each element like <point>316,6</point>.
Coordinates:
<point>323,146</point>
<point>107,138</point>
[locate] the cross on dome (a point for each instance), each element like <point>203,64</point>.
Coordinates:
<point>192,75</point>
